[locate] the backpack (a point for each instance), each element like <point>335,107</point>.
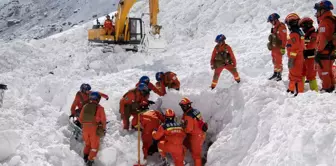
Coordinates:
<point>195,114</point>
<point>332,44</point>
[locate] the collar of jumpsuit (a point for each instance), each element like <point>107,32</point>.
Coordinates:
<point>324,15</point>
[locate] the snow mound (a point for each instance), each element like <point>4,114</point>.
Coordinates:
<point>251,123</point>
<point>9,141</point>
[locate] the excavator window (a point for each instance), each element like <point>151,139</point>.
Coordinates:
<point>135,29</point>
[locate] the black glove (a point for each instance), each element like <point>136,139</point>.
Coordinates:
<point>150,102</point>
<point>71,116</point>
<point>155,141</point>
<point>318,60</point>
<point>290,63</point>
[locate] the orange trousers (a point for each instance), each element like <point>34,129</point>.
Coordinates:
<point>309,69</point>
<point>108,31</point>
<point>218,71</point>
<point>277,59</point>
<point>326,74</point>
<point>194,143</point>
<point>147,141</point>
<point>295,77</point>
<point>91,140</point>
<point>126,121</point>
<point>176,151</point>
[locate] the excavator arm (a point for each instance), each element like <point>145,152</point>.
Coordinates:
<point>121,16</point>
<point>153,12</point>
<point>124,8</point>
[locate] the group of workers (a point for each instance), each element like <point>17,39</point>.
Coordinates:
<point>309,51</point>
<point>159,131</point>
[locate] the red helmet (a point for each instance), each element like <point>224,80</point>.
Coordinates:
<point>185,101</point>
<point>170,113</point>
<point>305,21</point>
<point>292,18</point>
<point>144,105</point>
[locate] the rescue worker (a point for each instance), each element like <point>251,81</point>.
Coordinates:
<point>195,129</point>
<point>108,26</point>
<point>81,98</point>
<point>149,120</point>
<point>277,43</point>
<point>93,120</point>
<point>325,47</point>
<point>167,79</point>
<point>223,58</point>
<point>171,136</point>
<point>130,103</point>
<point>146,80</point>
<point>309,70</point>
<point>295,47</point>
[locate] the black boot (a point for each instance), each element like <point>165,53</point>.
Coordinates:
<point>273,76</point>
<point>331,89</point>
<point>86,158</point>
<point>278,76</point>
<point>89,163</point>
<point>164,162</point>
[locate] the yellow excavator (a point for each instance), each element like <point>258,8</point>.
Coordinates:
<point>128,31</point>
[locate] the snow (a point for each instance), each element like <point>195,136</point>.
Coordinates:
<point>9,141</point>
<point>251,123</point>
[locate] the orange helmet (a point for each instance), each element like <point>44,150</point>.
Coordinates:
<point>292,18</point>
<point>170,113</point>
<point>305,22</point>
<point>185,101</point>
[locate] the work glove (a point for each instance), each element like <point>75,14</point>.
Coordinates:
<point>318,60</point>
<point>150,102</point>
<point>155,141</point>
<point>269,46</point>
<point>290,63</point>
<point>71,116</point>
<point>282,51</point>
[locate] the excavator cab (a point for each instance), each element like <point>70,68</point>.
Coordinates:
<point>128,32</point>
<point>135,31</point>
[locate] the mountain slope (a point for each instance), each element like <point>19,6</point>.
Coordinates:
<point>251,123</point>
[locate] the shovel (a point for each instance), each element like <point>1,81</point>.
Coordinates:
<point>138,164</point>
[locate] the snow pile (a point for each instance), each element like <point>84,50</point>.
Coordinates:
<point>9,141</point>
<point>251,123</point>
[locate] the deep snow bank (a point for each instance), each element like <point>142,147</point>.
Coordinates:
<point>253,123</point>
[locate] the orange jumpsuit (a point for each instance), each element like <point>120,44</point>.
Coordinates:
<point>230,66</point>
<point>170,80</point>
<point>171,136</point>
<point>108,26</point>
<point>309,54</point>
<point>81,99</point>
<point>295,46</point>
<point>324,38</point>
<point>195,135</point>
<point>92,140</point>
<point>280,31</point>
<point>129,104</point>
<point>149,120</point>
<point>153,88</point>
